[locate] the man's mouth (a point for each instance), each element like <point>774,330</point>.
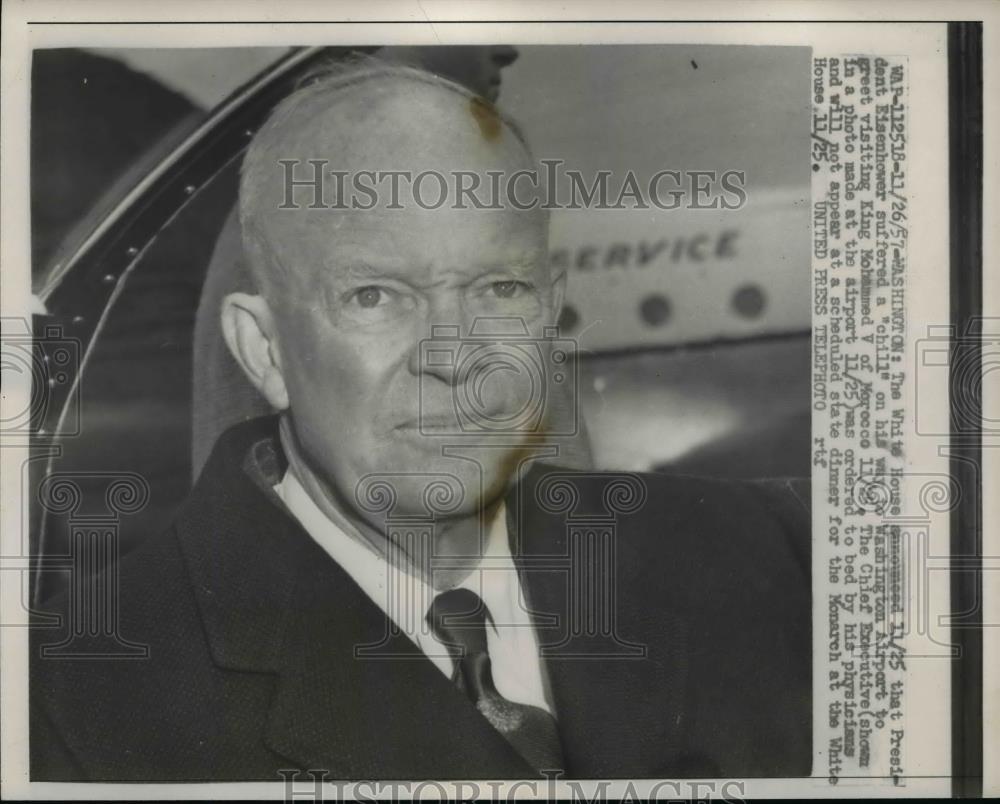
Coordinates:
<point>425,423</point>
<point>447,423</point>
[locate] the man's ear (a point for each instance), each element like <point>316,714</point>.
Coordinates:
<point>249,329</point>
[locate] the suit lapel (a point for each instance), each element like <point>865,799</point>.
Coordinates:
<point>617,687</point>
<point>362,702</point>
<point>272,600</point>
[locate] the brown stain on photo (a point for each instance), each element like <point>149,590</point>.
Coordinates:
<point>486,116</point>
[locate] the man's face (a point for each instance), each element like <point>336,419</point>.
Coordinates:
<point>371,285</point>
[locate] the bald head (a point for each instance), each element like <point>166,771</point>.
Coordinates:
<point>367,140</point>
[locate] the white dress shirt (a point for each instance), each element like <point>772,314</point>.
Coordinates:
<point>513,647</point>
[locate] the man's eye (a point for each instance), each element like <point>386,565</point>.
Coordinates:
<point>369,297</point>
<point>509,289</point>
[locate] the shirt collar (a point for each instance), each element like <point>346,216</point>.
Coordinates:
<point>403,596</point>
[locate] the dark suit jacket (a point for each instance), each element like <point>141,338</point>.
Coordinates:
<point>703,669</point>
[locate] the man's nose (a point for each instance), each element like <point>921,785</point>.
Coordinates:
<point>436,352</point>
<point>437,358</point>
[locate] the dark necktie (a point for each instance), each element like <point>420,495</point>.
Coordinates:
<point>458,619</point>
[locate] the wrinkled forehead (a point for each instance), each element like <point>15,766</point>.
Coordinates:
<point>303,175</point>
<point>433,249</point>
<point>308,166</point>
<point>340,137</point>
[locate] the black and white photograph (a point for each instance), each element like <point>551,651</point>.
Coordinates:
<point>354,404</point>
<point>489,409</point>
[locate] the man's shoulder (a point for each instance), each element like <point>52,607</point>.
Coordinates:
<point>750,514</point>
<point>135,692</point>
<point>97,656</point>
<point>782,490</point>
<point>122,669</point>
<point>719,552</point>
<point>117,611</point>
<point>711,578</point>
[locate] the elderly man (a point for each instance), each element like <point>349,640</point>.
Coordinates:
<point>391,577</point>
